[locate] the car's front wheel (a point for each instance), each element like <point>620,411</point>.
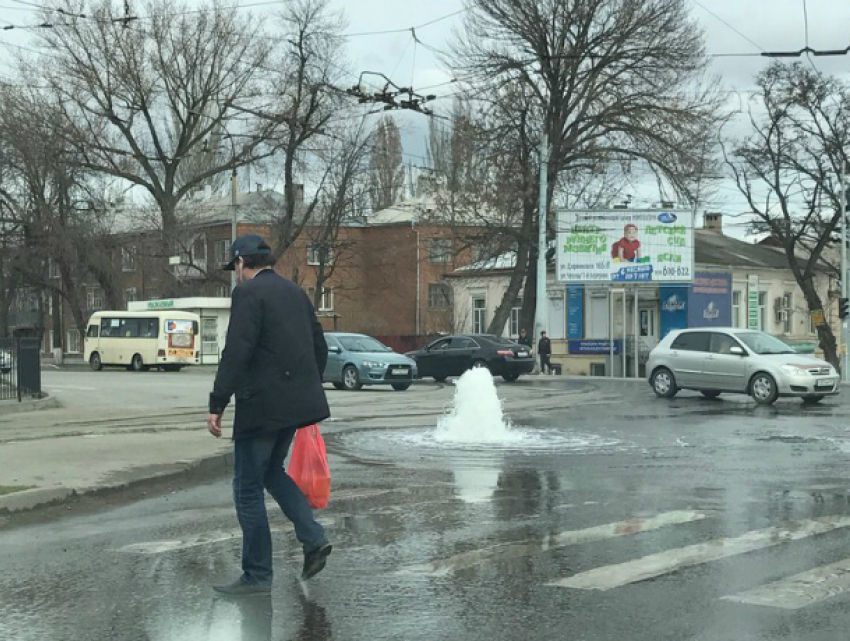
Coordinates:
<point>400,387</point>
<point>664,383</point>
<point>763,389</point>
<point>351,379</point>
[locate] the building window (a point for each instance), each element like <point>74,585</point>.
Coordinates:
<point>130,294</point>
<point>223,291</point>
<point>318,254</point>
<point>515,315</point>
<point>74,346</point>
<point>326,302</point>
<point>439,296</point>
<point>53,268</point>
<point>479,314</point>
<point>128,259</point>
<point>94,299</point>
<point>736,310</point>
<point>222,251</point>
<point>199,250</point>
<point>788,302</point>
<point>439,250</point>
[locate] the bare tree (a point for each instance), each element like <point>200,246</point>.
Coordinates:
<point>306,85</point>
<point>607,80</point>
<point>142,101</point>
<point>343,198</point>
<point>387,168</point>
<point>50,200</point>
<point>789,171</point>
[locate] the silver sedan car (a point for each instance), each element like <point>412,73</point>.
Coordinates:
<point>738,361</point>
<point>355,360</point>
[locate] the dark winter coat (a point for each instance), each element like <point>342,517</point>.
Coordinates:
<point>273,360</point>
<point>544,347</point>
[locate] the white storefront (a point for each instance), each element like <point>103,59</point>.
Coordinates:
<point>215,316</point>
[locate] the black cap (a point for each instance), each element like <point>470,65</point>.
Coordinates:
<point>247,246</point>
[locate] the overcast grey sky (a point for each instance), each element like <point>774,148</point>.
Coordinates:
<point>731,26</point>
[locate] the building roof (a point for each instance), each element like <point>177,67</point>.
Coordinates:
<point>713,248</point>
<point>710,249</point>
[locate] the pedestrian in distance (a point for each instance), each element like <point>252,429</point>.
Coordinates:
<point>525,339</point>
<point>272,363</point>
<point>544,348</point>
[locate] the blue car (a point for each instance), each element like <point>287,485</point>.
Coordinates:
<point>355,360</point>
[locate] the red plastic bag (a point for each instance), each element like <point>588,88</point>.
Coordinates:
<point>308,466</point>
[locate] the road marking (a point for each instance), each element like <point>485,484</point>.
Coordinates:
<point>655,565</point>
<point>799,590</point>
<point>158,547</point>
<point>507,551</point>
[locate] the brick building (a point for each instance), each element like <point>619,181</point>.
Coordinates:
<point>385,272</point>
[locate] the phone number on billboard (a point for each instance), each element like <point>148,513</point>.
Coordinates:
<point>678,272</point>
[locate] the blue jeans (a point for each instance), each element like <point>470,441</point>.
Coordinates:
<point>258,465</point>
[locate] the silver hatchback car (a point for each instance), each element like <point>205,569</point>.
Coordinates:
<point>739,361</point>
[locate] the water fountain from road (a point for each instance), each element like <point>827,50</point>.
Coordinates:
<point>476,415</point>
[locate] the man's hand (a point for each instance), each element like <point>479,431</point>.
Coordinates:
<point>214,424</point>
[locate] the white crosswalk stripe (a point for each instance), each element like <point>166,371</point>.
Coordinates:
<point>799,590</point>
<point>655,565</point>
<point>562,539</point>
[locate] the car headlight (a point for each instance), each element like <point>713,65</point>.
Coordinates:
<point>375,364</point>
<point>793,370</point>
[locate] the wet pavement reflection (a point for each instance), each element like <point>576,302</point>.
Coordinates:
<point>633,520</point>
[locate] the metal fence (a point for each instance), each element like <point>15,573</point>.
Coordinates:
<point>20,368</point>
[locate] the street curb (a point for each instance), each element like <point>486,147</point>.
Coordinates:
<point>37,498</point>
<point>29,405</point>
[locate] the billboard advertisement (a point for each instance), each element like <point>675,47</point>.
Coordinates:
<point>575,311</point>
<point>710,300</point>
<point>674,309</point>
<point>625,246</point>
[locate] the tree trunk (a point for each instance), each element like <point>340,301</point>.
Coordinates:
<point>529,297</point>
<point>826,338</point>
<point>524,246</point>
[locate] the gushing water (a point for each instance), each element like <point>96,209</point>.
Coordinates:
<point>476,415</point>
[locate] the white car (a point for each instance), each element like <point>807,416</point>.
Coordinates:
<point>714,361</point>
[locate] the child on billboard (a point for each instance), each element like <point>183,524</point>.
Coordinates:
<point>627,249</point>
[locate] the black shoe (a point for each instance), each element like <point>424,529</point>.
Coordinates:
<point>315,560</point>
<point>241,588</point>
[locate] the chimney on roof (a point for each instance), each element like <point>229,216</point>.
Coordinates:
<point>713,222</point>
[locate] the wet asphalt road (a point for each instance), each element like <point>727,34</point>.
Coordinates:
<point>617,517</point>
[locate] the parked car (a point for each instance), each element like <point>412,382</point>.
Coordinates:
<point>453,355</point>
<point>738,361</point>
<point>355,360</point>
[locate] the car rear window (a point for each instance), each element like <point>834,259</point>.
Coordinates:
<point>692,342</point>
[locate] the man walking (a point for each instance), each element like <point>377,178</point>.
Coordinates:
<point>273,363</point>
<point>544,348</point>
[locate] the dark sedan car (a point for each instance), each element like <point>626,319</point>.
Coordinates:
<point>453,355</point>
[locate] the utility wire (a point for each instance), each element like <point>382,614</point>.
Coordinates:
<point>710,12</point>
